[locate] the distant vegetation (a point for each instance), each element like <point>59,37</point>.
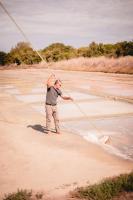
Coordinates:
<point>22,53</point>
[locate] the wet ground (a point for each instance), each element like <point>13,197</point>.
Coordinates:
<point>102,104</point>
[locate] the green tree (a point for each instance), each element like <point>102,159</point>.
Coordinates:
<point>95,50</point>
<point>58,51</point>
<point>109,50</point>
<point>83,52</point>
<point>23,54</point>
<point>124,48</point>
<point>3,56</point>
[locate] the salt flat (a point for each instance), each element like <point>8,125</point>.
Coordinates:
<point>34,156</point>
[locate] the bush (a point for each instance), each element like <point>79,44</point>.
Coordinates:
<point>107,189</point>
<point>20,195</point>
<point>24,195</point>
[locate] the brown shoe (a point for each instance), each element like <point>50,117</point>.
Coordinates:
<point>58,132</point>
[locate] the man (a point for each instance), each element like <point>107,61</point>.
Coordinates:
<point>53,91</point>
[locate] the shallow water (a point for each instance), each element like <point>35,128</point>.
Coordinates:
<point>106,117</point>
<point>119,131</point>
<point>95,109</point>
<point>81,96</point>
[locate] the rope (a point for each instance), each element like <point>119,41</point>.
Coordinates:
<point>21,31</point>
<point>26,38</point>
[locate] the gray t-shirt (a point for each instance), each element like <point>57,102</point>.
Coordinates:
<point>52,94</point>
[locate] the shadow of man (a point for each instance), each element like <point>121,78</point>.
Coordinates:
<point>38,127</point>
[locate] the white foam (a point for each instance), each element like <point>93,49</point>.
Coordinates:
<point>103,142</point>
<point>93,137</point>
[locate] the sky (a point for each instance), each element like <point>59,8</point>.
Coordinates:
<point>72,22</point>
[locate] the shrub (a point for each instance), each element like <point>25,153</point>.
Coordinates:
<point>19,195</point>
<point>107,189</point>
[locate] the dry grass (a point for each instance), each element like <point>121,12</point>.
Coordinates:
<point>99,64</point>
<point>122,65</point>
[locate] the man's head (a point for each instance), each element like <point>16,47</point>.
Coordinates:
<point>58,83</point>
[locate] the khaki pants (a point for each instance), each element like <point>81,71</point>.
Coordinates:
<point>51,111</point>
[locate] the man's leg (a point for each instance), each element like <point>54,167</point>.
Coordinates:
<point>56,119</point>
<point>48,117</point>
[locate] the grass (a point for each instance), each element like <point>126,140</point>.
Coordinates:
<point>116,188</point>
<point>122,65</point>
<point>23,195</point>
<point>19,195</point>
<point>99,64</point>
<point>108,189</point>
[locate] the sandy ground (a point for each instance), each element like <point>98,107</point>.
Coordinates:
<point>55,164</point>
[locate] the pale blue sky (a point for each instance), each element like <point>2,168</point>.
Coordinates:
<point>72,22</point>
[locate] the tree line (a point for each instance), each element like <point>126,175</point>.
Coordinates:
<point>22,53</point>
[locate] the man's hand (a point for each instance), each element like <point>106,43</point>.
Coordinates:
<point>50,81</point>
<point>67,98</point>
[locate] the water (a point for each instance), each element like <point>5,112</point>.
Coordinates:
<point>118,91</point>
<point>114,134</point>
<point>119,131</point>
<point>81,96</point>
<point>110,123</point>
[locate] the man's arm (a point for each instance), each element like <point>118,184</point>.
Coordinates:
<point>67,98</point>
<point>50,81</point>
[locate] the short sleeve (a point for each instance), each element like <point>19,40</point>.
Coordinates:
<point>59,92</point>
<point>48,88</point>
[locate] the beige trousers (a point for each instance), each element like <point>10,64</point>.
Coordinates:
<point>51,111</point>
